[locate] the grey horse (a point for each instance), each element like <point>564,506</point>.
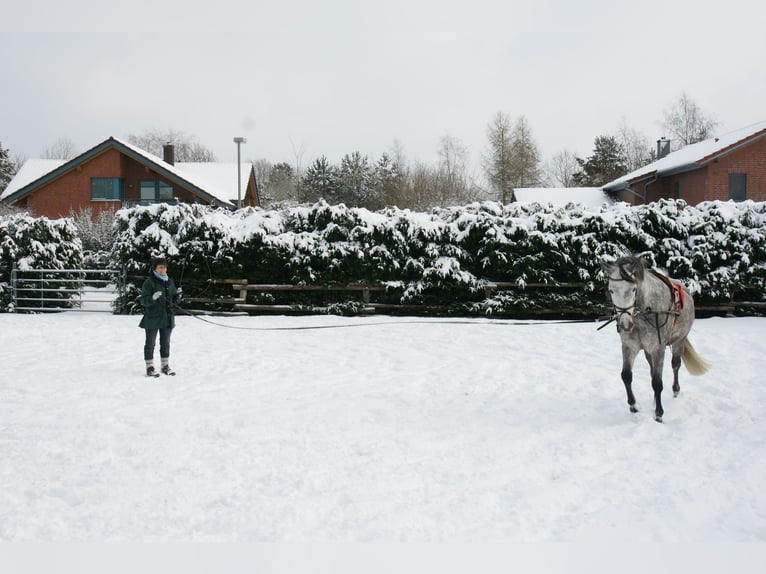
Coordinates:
<point>652,312</point>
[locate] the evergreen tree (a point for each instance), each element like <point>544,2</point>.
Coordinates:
<point>355,179</point>
<point>320,182</point>
<point>387,183</point>
<point>7,168</point>
<point>606,164</point>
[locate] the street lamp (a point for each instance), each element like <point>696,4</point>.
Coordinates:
<point>239,141</point>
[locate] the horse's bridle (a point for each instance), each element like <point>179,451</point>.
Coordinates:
<point>620,311</point>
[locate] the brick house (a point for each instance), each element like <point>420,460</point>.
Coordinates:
<point>116,174</point>
<point>729,167</point>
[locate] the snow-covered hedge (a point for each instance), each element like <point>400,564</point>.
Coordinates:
<point>446,257</point>
<point>35,243</point>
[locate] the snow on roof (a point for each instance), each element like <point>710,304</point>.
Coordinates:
<point>691,156</point>
<point>219,176</point>
<point>216,189</point>
<point>588,196</point>
<point>31,170</point>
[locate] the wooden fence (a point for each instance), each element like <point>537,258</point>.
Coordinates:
<point>362,295</point>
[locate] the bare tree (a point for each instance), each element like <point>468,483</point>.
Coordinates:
<point>298,152</point>
<point>635,146</point>
<point>63,148</point>
<point>562,167</point>
<point>454,185</point>
<point>19,159</point>
<point>396,187</point>
<point>686,123</point>
<point>497,160</point>
<point>421,187</point>
<point>187,148</point>
<point>525,158</point>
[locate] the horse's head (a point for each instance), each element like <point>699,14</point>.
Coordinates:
<point>624,276</point>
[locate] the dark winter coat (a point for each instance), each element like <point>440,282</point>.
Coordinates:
<point>158,314</point>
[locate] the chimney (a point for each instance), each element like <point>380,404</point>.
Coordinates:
<point>169,153</point>
<point>663,147</point>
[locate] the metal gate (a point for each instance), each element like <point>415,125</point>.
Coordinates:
<point>45,290</point>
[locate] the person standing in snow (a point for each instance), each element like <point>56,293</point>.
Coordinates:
<point>158,296</point>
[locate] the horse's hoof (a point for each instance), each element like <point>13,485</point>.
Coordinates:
<point>658,418</point>
<point>676,393</point>
<point>633,409</point>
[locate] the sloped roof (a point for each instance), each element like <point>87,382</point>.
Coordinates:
<point>588,196</point>
<point>692,156</point>
<point>214,189</point>
<point>220,176</point>
<point>31,170</point>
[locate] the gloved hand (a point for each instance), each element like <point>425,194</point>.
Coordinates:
<point>157,295</point>
<point>179,292</point>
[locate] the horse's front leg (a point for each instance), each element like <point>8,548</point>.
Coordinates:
<point>628,357</point>
<point>656,362</point>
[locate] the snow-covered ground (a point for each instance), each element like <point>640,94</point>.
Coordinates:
<point>383,429</point>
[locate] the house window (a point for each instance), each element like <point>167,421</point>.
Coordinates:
<point>738,186</point>
<point>106,189</point>
<point>152,190</point>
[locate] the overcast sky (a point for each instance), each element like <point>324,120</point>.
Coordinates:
<point>304,78</point>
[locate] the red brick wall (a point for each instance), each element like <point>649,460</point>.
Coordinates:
<point>71,191</point>
<point>657,190</point>
<point>750,160</point>
<point>692,186</point>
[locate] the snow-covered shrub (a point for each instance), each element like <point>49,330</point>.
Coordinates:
<point>36,243</point>
<point>445,257</point>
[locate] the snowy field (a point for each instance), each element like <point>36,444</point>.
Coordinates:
<point>382,430</point>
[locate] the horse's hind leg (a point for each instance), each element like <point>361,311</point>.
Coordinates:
<point>675,362</point>
<point>628,357</point>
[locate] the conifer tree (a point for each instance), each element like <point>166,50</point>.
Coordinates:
<point>387,183</point>
<point>7,168</point>
<point>355,179</point>
<point>606,164</point>
<point>320,182</point>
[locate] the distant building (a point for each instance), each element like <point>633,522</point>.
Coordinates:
<point>732,166</point>
<point>116,174</point>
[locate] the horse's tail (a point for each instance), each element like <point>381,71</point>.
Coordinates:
<point>695,364</point>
